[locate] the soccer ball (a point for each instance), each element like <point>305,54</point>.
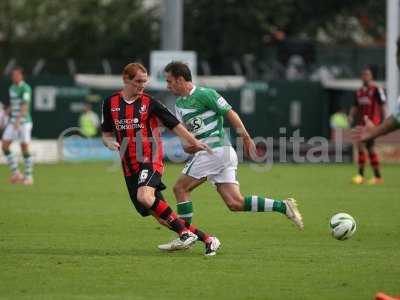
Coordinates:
<point>342,226</point>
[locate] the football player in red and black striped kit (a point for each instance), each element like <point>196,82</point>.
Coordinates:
<point>392,123</point>
<point>130,125</point>
<point>370,101</point>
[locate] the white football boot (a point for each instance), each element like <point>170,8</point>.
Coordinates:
<point>292,212</point>
<point>212,246</point>
<point>186,241</point>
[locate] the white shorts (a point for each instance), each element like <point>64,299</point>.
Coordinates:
<point>218,167</point>
<point>23,133</point>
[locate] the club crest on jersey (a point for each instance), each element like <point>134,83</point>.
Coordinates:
<point>143,109</point>
<point>115,109</point>
<point>194,124</point>
<point>143,176</point>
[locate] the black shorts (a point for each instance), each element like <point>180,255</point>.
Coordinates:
<point>370,143</point>
<point>146,177</point>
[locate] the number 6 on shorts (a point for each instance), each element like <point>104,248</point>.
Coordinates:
<point>143,175</point>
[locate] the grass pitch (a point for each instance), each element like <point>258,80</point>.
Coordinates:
<point>75,235</point>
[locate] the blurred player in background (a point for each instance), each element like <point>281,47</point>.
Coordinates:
<point>130,121</point>
<point>19,127</point>
<point>202,111</point>
<point>370,101</point>
<point>369,131</point>
<point>3,118</point>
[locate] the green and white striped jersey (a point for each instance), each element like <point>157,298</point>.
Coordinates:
<point>202,113</point>
<point>21,93</point>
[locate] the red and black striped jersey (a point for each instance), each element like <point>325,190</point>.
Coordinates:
<point>136,128</point>
<point>369,101</point>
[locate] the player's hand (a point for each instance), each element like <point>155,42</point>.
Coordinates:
<point>368,123</point>
<point>196,148</point>
<point>111,144</point>
<point>250,149</point>
<point>362,133</point>
<point>356,133</point>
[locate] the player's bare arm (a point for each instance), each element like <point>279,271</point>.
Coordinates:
<point>370,131</point>
<point>236,122</point>
<point>190,143</point>
<point>109,141</point>
<point>385,110</point>
<point>7,109</point>
<point>352,114</point>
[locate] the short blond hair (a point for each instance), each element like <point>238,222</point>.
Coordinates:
<point>131,69</point>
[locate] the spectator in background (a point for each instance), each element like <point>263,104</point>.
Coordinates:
<point>338,121</point>
<point>293,54</point>
<point>296,68</point>
<point>89,121</point>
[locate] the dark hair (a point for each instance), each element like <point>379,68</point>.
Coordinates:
<point>372,69</point>
<point>177,69</point>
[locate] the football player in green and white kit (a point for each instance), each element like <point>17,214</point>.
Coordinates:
<point>202,110</point>
<point>19,127</point>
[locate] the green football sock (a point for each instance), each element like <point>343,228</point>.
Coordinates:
<point>259,204</point>
<point>185,211</point>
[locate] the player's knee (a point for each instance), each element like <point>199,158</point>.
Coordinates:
<point>26,154</point>
<point>175,189</point>
<point>5,149</point>
<point>179,190</point>
<point>25,149</point>
<point>145,198</point>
